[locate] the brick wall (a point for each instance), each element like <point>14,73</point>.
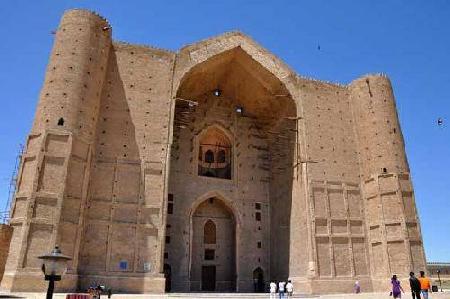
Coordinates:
<point>5,239</point>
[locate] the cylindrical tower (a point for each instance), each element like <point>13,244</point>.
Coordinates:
<point>52,182</point>
<point>380,138</point>
<point>394,239</point>
<point>70,96</point>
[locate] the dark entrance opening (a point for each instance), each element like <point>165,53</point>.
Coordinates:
<point>168,277</point>
<point>209,278</point>
<point>258,280</point>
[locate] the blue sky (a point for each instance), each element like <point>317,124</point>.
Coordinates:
<point>408,40</point>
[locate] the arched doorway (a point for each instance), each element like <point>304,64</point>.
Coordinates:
<point>258,280</point>
<point>168,277</point>
<point>213,261</point>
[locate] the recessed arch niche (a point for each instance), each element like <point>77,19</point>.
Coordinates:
<point>213,247</point>
<point>214,153</point>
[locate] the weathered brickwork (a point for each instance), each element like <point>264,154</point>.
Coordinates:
<point>213,168</point>
<point>5,239</point>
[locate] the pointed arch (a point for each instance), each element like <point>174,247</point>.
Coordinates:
<point>217,148</point>
<point>197,53</point>
<point>256,89</point>
<point>231,205</point>
<point>209,232</point>
<point>213,240</point>
<point>258,280</point>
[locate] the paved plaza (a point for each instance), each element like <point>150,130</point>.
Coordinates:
<point>443,295</point>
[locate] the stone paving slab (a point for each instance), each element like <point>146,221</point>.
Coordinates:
<point>444,295</point>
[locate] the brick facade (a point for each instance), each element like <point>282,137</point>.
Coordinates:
<point>133,149</point>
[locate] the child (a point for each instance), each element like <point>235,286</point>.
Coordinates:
<point>357,288</point>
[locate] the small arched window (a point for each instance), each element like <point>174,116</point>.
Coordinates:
<point>209,233</point>
<point>200,154</point>
<point>221,156</point>
<point>209,156</point>
<point>214,154</point>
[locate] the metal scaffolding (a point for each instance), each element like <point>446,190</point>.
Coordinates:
<point>5,214</point>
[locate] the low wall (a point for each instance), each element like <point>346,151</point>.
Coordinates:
<point>444,269</point>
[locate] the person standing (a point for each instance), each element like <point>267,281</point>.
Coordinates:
<point>414,283</point>
<point>289,288</point>
<point>357,287</point>
<point>396,287</point>
<point>281,289</point>
<point>425,285</point>
<point>273,290</point>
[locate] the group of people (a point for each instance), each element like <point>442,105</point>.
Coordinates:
<point>419,286</point>
<point>282,288</point>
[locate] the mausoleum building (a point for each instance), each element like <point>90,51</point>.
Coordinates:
<point>213,168</point>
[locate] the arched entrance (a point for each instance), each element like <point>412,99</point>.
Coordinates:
<point>213,260</point>
<point>168,277</point>
<point>235,132</point>
<point>258,280</point>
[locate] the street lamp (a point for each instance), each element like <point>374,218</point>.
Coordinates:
<point>439,278</point>
<point>54,266</point>
<point>217,92</point>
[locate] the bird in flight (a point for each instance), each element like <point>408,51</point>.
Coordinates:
<point>440,121</point>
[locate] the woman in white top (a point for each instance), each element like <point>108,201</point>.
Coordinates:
<point>273,290</point>
<point>289,288</point>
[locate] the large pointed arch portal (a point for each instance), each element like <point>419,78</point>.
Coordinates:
<point>251,119</point>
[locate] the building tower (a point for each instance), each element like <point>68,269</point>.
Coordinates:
<point>394,238</point>
<point>54,173</point>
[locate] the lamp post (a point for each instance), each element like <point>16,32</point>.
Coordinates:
<point>54,266</point>
<point>439,278</point>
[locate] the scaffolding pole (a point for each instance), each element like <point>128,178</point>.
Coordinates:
<point>5,215</point>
